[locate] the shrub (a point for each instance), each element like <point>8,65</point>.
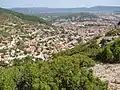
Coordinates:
<point>64,72</point>
<point>24,80</point>
<point>111,53</point>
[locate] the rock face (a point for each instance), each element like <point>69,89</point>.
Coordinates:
<point>109,73</point>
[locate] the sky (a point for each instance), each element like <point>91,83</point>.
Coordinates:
<point>57,3</point>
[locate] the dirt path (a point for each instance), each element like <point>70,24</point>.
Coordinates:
<point>110,73</point>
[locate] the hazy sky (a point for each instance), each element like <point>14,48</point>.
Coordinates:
<point>57,3</point>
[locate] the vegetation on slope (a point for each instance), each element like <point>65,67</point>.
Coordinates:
<point>106,54</point>
<point>67,70</point>
<point>23,16</point>
<point>90,49</point>
<point>111,53</point>
<point>64,72</point>
<point>113,33</point>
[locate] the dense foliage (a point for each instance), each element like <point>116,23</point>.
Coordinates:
<point>106,54</point>
<point>67,70</point>
<point>61,73</point>
<point>113,33</point>
<point>111,53</point>
<point>90,49</point>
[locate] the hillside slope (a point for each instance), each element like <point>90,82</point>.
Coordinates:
<point>23,16</point>
<point>25,49</point>
<point>23,46</point>
<point>18,33</point>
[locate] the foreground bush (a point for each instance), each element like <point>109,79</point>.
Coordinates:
<point>61,73</point>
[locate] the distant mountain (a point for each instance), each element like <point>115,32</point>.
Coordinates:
<point>34,10</point>
<point>76,17</point>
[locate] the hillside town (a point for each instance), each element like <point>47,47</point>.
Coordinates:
<point>41,41</point>
<point>60,51</point>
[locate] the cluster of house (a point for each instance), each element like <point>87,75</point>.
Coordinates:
<point>41,42</point>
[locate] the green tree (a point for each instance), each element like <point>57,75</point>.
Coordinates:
<point>24,81</point>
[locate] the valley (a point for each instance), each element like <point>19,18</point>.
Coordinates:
<point>75,51</point>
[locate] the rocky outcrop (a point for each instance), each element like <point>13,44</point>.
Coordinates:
<point>109,73</point>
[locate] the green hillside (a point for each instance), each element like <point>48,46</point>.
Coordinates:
<point>67,70</point>
<point>23,16</point>
<point>61,73</point>
<point>110,53</point>
<point>12,23</point>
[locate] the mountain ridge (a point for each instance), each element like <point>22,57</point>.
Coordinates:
<point>61,10</point>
